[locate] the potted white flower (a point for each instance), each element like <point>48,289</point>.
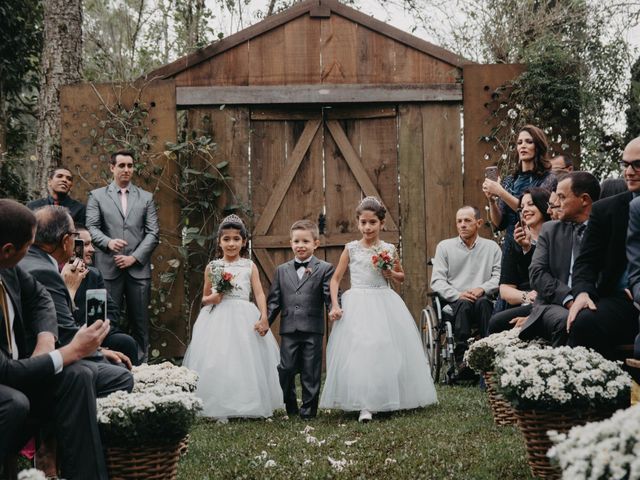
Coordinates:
<point>144,431</point>
<point>481,355</point>
<point>602,450</point>
<point>558,388</point>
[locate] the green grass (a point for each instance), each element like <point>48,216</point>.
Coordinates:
<point>455,439</point>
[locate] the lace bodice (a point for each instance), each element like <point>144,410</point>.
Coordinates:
<point>363,273</point>
<point>241,271</point>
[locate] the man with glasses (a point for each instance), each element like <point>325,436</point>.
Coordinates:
<point>602,315</point>
<point>562,163</point>
<point>553,207</point>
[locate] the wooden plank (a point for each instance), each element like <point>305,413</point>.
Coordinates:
<point>267,66</point>
<point>301,51</point>
<point>286,177</point>
<point>338,39</point>
<point>353,112</point>
<point>376,59</point>
<point>278,113</point>
<point>312,94</point>
<point>355,164</point>
<point>326,241</point>
<point>443,181</point>
<point>266,263</point>
<point>412,206</point>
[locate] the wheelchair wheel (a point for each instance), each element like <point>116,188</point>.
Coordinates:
<point>428,331</point>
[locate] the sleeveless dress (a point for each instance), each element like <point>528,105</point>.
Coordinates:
<point>375,360</point>
<point>237,368</point>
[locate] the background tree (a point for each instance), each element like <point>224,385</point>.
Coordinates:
<point>633,99</point>
<point>61,64</point>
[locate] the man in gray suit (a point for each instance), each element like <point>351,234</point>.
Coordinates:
<point>300,293</point>
<point>123,224</point>
<point>552,263</point>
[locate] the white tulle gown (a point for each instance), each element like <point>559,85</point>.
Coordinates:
<point>237,368</point>
<point>375,360</point>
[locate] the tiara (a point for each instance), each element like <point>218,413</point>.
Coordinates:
<point>370,199</point>
<point>233,218</point>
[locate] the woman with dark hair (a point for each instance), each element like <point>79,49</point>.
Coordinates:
<point>514,277</point>
<point>532,170</point>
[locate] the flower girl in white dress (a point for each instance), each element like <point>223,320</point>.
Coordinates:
<point>375,360</point>
<point>232,349</point>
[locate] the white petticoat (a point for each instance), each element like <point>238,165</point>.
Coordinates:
<point>237,367</point>
<point>375,359</point>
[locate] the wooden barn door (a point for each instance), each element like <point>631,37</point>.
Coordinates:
<point>316,164</point>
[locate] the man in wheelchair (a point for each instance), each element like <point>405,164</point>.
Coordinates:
<point>465,275</point>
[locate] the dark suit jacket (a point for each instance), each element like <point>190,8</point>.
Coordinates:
<point>139,228</point>
<point>39,264</point>
<point>633,248</point>
<point>599,268</point>
<point>34,313</point>
<point>301,302</point>
<point>77,209</point>
<point>94,280</point>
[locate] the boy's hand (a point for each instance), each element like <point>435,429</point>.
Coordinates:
<point>335,314</point>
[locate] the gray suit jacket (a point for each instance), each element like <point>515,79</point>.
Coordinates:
<point>550,267</point>
<point>139,228</point>
<point>301,302</point>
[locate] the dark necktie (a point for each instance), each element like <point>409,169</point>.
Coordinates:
<point>297,264</point>
<point>4,311</point>
<point>578,231</point>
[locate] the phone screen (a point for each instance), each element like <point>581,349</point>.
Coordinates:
<point>96,305</point>
<point>78,248</point>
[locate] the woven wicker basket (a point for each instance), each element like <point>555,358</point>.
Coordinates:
<point>501,409</point>
<point>534,425</point>
<point>148,463</point>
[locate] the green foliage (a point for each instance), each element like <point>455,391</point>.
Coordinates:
<point>633,101</point>
<point>455,439</point>
<point>12,185</point>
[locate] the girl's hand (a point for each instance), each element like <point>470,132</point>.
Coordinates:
<point>491,188</point>
<point>522,236</point>
<point>262,326</point>
<point>388,273</point>
<point>335,314</point>
<point>212,299</point>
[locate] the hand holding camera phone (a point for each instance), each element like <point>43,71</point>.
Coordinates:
<point>96,305</point>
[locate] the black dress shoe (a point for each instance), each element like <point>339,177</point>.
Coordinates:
<point>307,416</point>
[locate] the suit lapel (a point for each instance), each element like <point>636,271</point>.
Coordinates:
<point>132,200</point>
<point>313,266</point>
<point>18,331</point>
<point>112,191</point>
<point>291,274</point>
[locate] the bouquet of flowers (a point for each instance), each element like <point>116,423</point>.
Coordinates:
<point>481,353</point>
<point>561,378</point>
<point>222,281</point>
<point>147,376</point>
<point>600,450</point>
<point>382,260</point>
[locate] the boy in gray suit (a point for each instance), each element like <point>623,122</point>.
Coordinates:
<point>300,292</point>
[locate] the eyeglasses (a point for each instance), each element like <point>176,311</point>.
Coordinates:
<point>552,206</point>
<point>74,234</point>
<point>635,164</point>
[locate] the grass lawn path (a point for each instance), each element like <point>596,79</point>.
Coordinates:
<point>455,439</point>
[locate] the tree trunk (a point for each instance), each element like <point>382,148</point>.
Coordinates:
<point>61,65</point>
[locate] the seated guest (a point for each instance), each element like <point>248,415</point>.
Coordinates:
<point>553,206</point>
<point>116,339</point>
<point>603,314</point>
<point>552,265</point>
<point>466,270</point>
<point>561,164</point>
<point>612,186</point>
<point>59,185</point>
<point>43,383</point>
<point>514,276</point>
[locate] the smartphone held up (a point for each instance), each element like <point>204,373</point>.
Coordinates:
<point>96,305</point>
<point>491,173</point>
<point>78,250</point>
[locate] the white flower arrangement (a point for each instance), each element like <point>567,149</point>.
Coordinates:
<point>601,450</point>
<point>160,410</point>
<point>166,373</point>
<point>32,474</point>
<point>561,378</point>
<point>481,353</point>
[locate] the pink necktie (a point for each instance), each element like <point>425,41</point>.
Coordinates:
<point>123,200</point>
